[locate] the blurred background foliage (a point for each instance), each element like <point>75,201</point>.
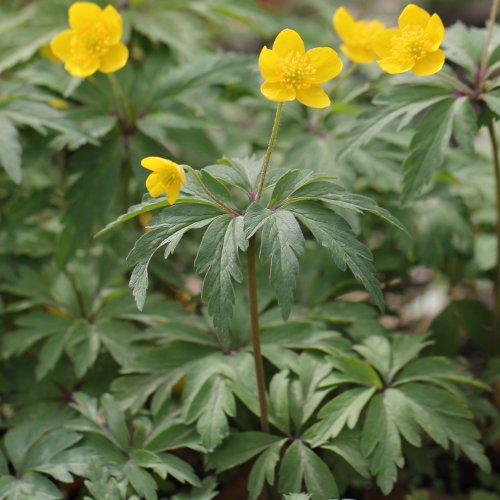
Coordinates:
<point>70,157</point>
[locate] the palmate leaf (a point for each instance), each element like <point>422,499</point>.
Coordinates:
<point>281,243</point>
<point>402,103</point>
<point>333,232</point>
<point>428,146</point>
<point>322,188</point>
<point>218,258</point>
<point>301,464</point>
<point>168,228</point>
<point>402,412</point>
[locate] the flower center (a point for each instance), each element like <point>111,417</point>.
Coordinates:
<point>169,175</point>
<point>93,40</point>
<point>411,44</point>
<point>296,70</point>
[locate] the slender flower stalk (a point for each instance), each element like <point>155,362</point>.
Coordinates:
<point>460,86</point>
<point>123,105</point>
<point>495,340</point>
<point>255,335</point>
<point>227,208</point>
<point>489,36</point>
<point>269,152</point>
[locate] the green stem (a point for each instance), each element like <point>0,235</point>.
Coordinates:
<point>489,36</point>
<point>122,104</point>
<point>255,334</point>
<point>227,208</point>
<point>495,340</point>
<point>456,83</point>
<point>267,158</point>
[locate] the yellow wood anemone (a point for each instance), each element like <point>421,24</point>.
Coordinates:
<point>166,177</point>
<point>414,45</point>
<point>292,73</point>
<point>356,36</point>
<point>93,42</point>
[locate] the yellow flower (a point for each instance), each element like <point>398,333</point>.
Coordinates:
<point>414,45</point>
<point>93,42</point>
<point>292,73</point>
<point>166,177</point>
<point>356,35</point>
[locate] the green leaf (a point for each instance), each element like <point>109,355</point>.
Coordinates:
<point>115,420</point>
<point>354,370</point>
<point>217,188</point>
<point>169,226</point>
<point>254,218</point>
<point>437,370</point>
<point>446,418</point>
<point>278,398</point>
<point>348,448</point>
<point>211,407</point>
<point>141,481</point>
<point>428,147</point>
<point>10,149</point>
<point>339,412</point>
<point>332,232</point>
<point>218,258</point>
<point>377,351</point>
<point>371,124</point>
<point>465,124</point>
<point>301,463</point>
<point>264,470</point>
<point>287,184</point>
<point>282,242</point>
<point>30,486</point>
<point>241,447</point>
<point>381,439</point>
<point>165,464</point>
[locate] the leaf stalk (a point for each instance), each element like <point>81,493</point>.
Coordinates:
<point>227,208</point>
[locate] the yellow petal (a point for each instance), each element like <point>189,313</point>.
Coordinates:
<point>395,65</point>
<point>360,56</point>
<point>113,21</point>
<point>376,26</point>
<point>114,59</point>
<point>314,97</point>
<point>82,14</point>
<point>326,62</point>
<point>61,45</point>
<point>82,68</point>
<point>172,189</point>
<point>343,23</point>
<point>156,163</point>
<point>382,42</point>
<point>154,185</point>
<point>413,15</point>
<point>288,41</point>
<point>436,31</point>
<point>277,92</point>
<point>429,64</point>
<point>268,64</point>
